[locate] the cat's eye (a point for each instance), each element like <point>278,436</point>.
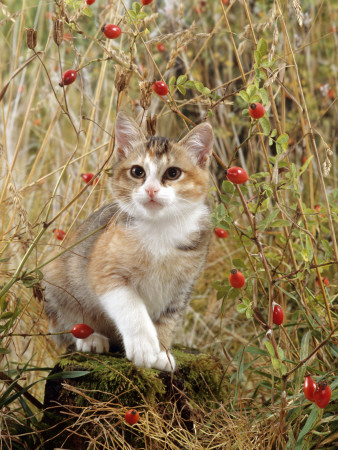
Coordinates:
<point>137,172</point>
<point>173,173</point>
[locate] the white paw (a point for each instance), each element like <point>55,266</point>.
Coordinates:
<point>142,349</point>
<point>95,343</point>
<point>165,361</point>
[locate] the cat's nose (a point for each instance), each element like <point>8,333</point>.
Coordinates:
<point>151,191</point>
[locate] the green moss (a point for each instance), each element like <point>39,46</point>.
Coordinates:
<point>114,375</point>
<point>203,375</point>
<point>198,380</point>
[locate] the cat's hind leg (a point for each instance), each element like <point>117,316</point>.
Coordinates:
<point>165,327</point>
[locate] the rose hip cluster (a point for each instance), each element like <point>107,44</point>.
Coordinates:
<point>319,393</point>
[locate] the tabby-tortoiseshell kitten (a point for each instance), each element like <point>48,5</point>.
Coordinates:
<point>131,281</point>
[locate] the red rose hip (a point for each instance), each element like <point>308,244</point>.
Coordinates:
<point>111,31</point>
<point>256,110</point>
<point>325,281</point>
<point>90,2</point>
<point>68,77</point>
<point>236,279</point>
<point>146,2</point>
<point>59,234</point>
<point>309,388</point>
<point>160,47</point>
<point>322,394</point>
<point>219,232</point>
<point>160,88</point>
<point>237,175</point>
<point>277,315</point>
<point>88,178</point>
<point>81,331</point>
<point>132,416</point>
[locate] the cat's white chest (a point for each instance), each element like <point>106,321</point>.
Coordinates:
<point>164,278</point>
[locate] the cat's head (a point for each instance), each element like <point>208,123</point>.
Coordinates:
<point>156,177</point>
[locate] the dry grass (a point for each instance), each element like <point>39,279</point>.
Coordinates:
<point>50,135</point>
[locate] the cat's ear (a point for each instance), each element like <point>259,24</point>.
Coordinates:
<point>198,143</point>
<point>127,135</point>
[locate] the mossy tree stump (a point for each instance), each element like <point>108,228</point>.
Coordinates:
<point>85,411</point>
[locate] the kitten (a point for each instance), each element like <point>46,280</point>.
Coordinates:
<point>131,281</point>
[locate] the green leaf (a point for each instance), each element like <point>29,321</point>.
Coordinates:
<point>258,56</point>
<point>270,349</point>
<point>87,11</point>
<point>182,89</point>
<point>281,353</point>
<point>251,90</point>
<point>249,312</point>
<point>245,112</point>
<point>264,96</point>
<point>68,374</point>
<point>304,351</point>
<point>266,222</point>
<point>307,427</point>
<point>172,80</point>
<point>190,84</point>
<point>276,363</point>
<point>262,74</point>
<point>265,63</point>
<point>141,15</point>
<point>181,79</point>
<point>29,281</point>
<point>256,350</point>
<point>199,86</point>
<point>133,14</point>
<point>283,141</point>
<point>244,96</point>
<point>241,308</point>
<point>273,132</point>
<point>4,351</point>
<point>327,247</point>
<point>255,98</point>
<point>206,91</point>
<point>264,121</point>
<point>305,165</point>
<point>6,315</point>
<point>293,171</point>
<point>262,47</point>
<point>228,187</point>
<point>136,7</point>
<point>280,223</point>
<point>283,369</point>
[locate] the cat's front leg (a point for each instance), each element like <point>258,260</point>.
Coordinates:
<point>132,320</point>
<point>165,327</point>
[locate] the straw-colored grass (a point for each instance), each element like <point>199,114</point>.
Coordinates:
<point>49,135</point>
